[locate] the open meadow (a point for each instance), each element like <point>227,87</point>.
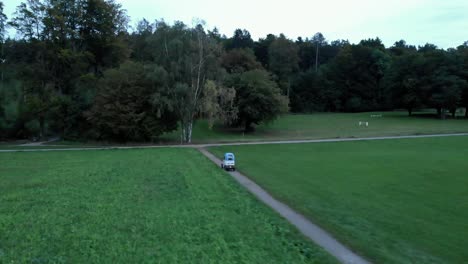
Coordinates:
<point>294,127</point>
<point>393,201</point>
<point>136,206</point>
<point>330,125</point>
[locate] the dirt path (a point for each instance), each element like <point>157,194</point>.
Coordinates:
<point>305,226</point>
<point>326,140</point>
<point>235,143</point>
<point>39,143</point>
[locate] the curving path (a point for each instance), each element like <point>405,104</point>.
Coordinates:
<point>305,226</point>
<point>39,143</point>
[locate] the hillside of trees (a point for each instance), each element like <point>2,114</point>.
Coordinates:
<point>80,71</point>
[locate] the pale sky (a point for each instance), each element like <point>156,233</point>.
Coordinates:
<point>440,22</point>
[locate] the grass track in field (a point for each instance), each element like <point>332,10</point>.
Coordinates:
<point>137,206</point>
<point>330,125</point>
<point>304,126</point>
<point>394,201</point>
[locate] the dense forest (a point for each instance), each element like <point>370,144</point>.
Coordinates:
<point>80,71</point>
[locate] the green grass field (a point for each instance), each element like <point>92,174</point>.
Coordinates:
<point>394,201</point>
<point>330,125</point>
<point>136,206</point>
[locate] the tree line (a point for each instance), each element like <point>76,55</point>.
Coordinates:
<point>80,71</point>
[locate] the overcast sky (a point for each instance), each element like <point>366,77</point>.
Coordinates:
<point>441,22</point>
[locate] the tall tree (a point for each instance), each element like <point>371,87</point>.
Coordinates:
<point>3,24</point>
<point>131,104</point>
<point>239,60</point>
<point>258,98</point>
<point>102,31</point>
<point>200,62</point>
<point>404,81</point>
<point>446,92</point>
<point>463,53</point>
<point>440,78</point>
<point>66,38</point>
<point>191,58</point>
<point>319,40</point>
<point>29,18</point>
<point>261,49</point>
<point>401,47</point>
<point>311,54</point>
<point>38,89</point>
<point>240,40</point>
<point>141,51</point>
<point>358,72</point>
<point>283,61</point>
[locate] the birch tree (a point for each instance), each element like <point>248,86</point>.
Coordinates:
<point>3,23</point>
<point>190,56</point>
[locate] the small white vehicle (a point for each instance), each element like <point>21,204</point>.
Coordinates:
<point>229,162</point>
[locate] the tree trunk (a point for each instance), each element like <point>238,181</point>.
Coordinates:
<point>189,133</point>
<point>248,127</point>
<point>2,61</point>
<point>441,112</point>
<point>182,133</point>
<point>410,111</point>
<point>466,112</point>
<point>453,111</point>
<point>316,57</point>
<point>186,133</point>
<point>41,127</point>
